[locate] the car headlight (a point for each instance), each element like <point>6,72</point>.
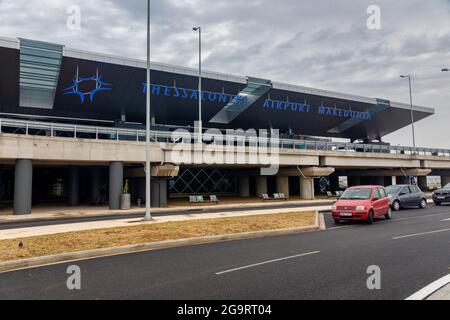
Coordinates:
<point>360,208</point>
<point>334,207</point>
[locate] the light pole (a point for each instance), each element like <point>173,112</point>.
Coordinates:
<point>200,129</point>
<point>148,173</point>
<point>412,110</point>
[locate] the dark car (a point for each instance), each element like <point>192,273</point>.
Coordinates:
<point>403,196</point>
<point>442,195</point>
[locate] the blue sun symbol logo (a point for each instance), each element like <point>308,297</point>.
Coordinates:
<point>100,85</point>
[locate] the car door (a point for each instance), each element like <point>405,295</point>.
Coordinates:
<point>416,195</point>
<point>377,202</point>
<point>385,201</point>
<point>404,196</point>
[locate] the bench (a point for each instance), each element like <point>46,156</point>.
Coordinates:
<point>201,200</point>
<point>276,197</point>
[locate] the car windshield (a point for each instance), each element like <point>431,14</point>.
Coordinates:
<point>357,194</point>
<point>447,186</point>
<point>393,189</point>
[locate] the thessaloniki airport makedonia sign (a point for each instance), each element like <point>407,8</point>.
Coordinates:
<point>102,88</point>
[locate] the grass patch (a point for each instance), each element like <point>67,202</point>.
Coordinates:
<point>146,233</point>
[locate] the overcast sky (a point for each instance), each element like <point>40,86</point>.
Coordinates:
<point>322,43</point>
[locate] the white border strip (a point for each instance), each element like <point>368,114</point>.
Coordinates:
<point>429,290</point>
<point>267,262</point>
<point>421,234</point>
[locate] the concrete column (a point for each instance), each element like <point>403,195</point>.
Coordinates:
<point>261,186</point>
<point>422,182</point>
<point>394,181</point>
<point>283,185</point>
<point>23,186</point>
<point>445,180</point>
<point>244,187</point>
<point>307,189</point>
<point>74,186</point>
<point>159,193</point>
<point>354,181</point>
<point>95,185</point>
<point>115,184</point>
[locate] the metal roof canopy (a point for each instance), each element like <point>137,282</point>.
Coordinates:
<point>127,76</point>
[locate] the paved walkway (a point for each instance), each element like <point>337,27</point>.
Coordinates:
<point>62,228</point>
<point>63,212</point>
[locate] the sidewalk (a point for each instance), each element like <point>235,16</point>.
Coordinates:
<point>72,227</point>
<point>45,213</point>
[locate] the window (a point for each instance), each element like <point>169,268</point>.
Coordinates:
<point>405,190</point>
<point>382,193</point>
<point>414,189</point>
<point>376,194</point>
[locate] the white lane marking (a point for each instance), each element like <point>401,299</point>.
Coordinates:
<point>267,262</point>
<point>420,234</point>
<point>446,220</point>
<point>430,289</point>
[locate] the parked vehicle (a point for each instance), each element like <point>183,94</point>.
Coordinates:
<point>363,203</point>
<point>403,196</point>
<point>442,195</point>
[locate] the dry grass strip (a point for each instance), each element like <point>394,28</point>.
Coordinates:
<point>146,233</point>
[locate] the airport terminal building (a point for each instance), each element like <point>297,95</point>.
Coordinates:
<point>72,130</point>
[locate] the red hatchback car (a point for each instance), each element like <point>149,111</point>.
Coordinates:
<point>363,203</point>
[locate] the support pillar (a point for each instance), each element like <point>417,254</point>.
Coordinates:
<point>244,187</point>
<point>422,183</point>
<point>115,184</point>
<point>445,180</point>
<point>159,193</point>
<point>23,186</point>
<point>307,189</point>
<point>283,185</point>
<point>74,186</point>
<point>261,186</point>
<point>394,181</point>
<point>95,185</point>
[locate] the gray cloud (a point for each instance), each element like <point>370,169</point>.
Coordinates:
<point>321,43</point>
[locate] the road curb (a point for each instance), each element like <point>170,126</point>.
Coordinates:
<point>175,211</point>
<point>98,253</point>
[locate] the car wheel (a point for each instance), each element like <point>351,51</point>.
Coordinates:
<point>388,215</point>
<point>396,205</point>
<point>336,221</point>
<point>370,218</point>
<point>423,204</point>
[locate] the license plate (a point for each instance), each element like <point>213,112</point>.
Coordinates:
<point>346,214</point>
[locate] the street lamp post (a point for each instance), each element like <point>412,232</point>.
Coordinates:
<point>412,110</point>
<point>200,129</point>
<point>148,173</point>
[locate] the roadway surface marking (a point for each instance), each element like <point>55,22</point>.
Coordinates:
<point>267,262</point>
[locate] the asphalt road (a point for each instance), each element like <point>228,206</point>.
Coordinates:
<point>412,251</point>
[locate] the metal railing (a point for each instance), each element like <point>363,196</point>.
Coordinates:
<point>50,129</point>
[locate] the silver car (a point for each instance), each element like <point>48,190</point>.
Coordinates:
<point>404,196</point>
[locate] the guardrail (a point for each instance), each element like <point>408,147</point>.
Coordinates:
<point>120,134</point>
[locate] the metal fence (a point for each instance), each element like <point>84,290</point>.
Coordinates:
<point>49,129</point>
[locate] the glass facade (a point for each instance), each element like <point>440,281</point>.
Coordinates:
<point>40,65</point>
